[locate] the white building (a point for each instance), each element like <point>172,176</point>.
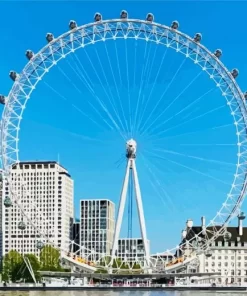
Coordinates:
<point>228,255</point>
<point>46,191</point>
<point>131,249</point>
<point>97,222</point>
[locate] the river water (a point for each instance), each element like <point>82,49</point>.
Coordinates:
<point>127,293</point>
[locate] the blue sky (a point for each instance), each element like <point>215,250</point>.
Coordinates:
<point>57,128</point>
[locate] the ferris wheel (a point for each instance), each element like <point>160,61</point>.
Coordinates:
<point>145,32</point>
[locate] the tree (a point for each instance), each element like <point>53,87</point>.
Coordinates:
<point>105,261</point>
<point>101,270</point>
<point>117,263</point>
<point>136,266</point>
<point>50,259</point>
<point>35,266</point>
<point>11,265</point>
<point>15,269</point>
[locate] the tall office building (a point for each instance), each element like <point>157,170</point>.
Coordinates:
<point>76,236</point>
<point>131,249</point>
<point>45,190</point>
<point>97,225</point>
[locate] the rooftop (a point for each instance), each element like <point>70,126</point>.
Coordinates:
<point>40,162</point>
<point>234,231</point>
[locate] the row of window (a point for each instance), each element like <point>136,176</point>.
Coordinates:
<point>227,258</point>
<point>219,264</point>
<point>228,272</point>
<point>34,166</point>
<point>227,251</point>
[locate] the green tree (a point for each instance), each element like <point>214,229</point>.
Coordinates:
<point>15,269</point>
<point>50,259</point>
<point>105,261</point>
<point>11,265</point>
<point>17,272</point>
<point>136,266</point>
<point>124,266</point>
<point>117,263</point>
<point>101,270</point>
<point>35,266</point>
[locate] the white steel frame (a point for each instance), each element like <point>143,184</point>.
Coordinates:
<point>92,33</point>
<point>131,169</point>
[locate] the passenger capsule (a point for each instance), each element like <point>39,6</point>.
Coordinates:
<point>39,245</point>
<point>245,95</point>
<point>218,53</point>
<point>49,37</point>
<point>29,54</point>
<point>175,25</point>
<point>7,202</point>
<point>198,37</point>
<point>2,101</point>
<point>72,25</point>
<point>150,17</point>
<point>21,225</point>
<point>124,14</point>
<point>241,216</point>
<point>13,75</point>
<point>97,17</point>
<point>227,236</point>
<point>235,73</point>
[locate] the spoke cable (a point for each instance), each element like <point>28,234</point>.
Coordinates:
<point>139,93</point>
<point>186,107</point>
<point>190,133</point>
<point>102,85</point>
<point>175,99</point>
<point>151,92</point>
<point>169,202</point>
<point>115,83</point>
<point>189,168</point>
<point>77,108</point>
<point>165,91</point>
<point>195,157</point>
<point>192,119</point>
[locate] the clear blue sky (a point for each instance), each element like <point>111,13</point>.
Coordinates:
<point>55,126</point>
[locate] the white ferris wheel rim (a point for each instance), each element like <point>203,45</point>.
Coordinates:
<point>138,29</point>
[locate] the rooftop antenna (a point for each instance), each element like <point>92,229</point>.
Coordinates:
<point>58,158</point>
